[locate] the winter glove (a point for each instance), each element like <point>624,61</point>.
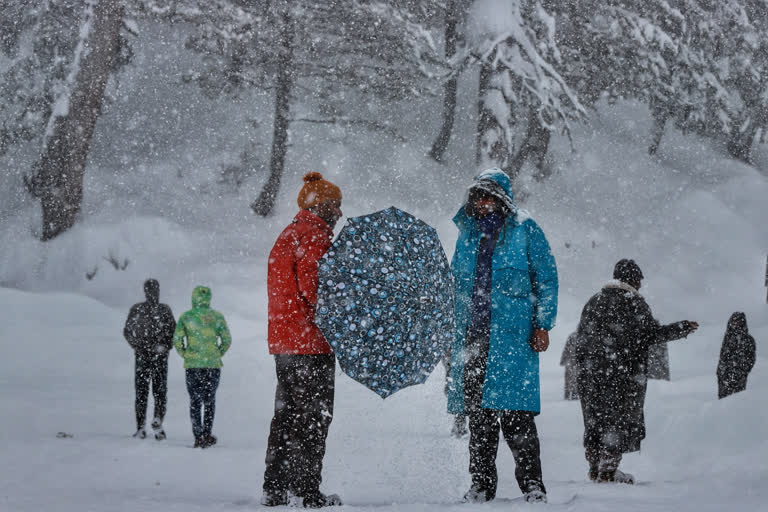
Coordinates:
<point>539,340</point>
<point>687,327</point>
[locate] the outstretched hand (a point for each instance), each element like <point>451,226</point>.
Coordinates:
<point>539,340</point>
<point>689,327</point>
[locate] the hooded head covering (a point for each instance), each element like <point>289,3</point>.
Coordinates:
<point>738,323</point>
<point>316,190</point>
<point>627,271</point>
<point>201,297</point>
<point>495,182</point>
<point>152,291</point>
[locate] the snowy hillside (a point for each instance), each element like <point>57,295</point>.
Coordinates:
<point>694,220</point>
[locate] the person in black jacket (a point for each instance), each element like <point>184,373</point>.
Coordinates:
<point>615,332</point>
<point>737,357</point>
<point>149,331</point>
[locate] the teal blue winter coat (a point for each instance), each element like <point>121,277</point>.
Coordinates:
<point>523,296</point>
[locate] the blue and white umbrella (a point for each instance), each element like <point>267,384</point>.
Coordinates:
<point>385,300</point>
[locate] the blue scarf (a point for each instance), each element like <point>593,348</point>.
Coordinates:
<point>489,227</point>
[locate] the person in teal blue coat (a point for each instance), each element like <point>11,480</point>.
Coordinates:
<point>505,302</point>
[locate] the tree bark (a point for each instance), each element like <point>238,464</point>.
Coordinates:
<point>534,146</point>
<point>493,126</point>
<point>487,124</point>
<point>740,143</point>
<point>660,116</point>
<point>449,89</point>
<point>265,203</point>
<point>58,180</point>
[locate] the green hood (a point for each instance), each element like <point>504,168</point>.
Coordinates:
<point>201,297</point>
<point>202,335</point>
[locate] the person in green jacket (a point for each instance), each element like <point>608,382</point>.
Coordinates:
<point>202,338</point>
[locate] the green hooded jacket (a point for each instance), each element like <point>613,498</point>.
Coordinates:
<point>202,327</point>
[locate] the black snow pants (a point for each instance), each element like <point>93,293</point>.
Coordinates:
<point>202,384</point>
<point>519,430</point>
<point>303,414</point>
<point>517,427</point>
<point>150,368</point>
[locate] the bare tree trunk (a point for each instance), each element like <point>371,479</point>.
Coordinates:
<point>265,203</point>
<point>449,89</point>
<point>740,142</point>
<point>493,126</point>
<point>660,116</point>
<point>486,121</point>
<point>58,181</point>
<point>534,146</point>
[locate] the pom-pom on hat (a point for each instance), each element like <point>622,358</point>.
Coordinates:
<point>317,190</point>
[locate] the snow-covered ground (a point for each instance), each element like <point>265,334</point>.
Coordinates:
<point>696,222</point>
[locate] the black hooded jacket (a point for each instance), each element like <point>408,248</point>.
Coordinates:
<point>150,325</point>
<point>737,357</point>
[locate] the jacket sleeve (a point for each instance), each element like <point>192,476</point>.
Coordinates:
<point>178,337</point>
<point>651,332</point>
<point>129,331</point>
<point>169,328</point>
<point>543,272</point>
<point>222,330</point>
<point>311,248</point>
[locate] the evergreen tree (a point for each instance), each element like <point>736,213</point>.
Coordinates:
<point>514,44</point>
<point>328,54</point>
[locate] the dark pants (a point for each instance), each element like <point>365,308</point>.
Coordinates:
<point>614,421</point>
<point>303,414</point>
<point>202,384</point>
<point>150,368</point>
<point>518,428</point>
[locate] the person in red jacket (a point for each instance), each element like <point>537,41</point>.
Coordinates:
<point>304,362</point>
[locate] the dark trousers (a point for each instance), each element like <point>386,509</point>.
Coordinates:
<point>614,420</point>
<point>519,430</point>
<point>202,384</point>
<point>303,414</point>
<point>150,369</point>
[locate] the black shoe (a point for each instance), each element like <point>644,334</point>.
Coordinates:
<point>534,492</point>
<point>535,496</point>
<point>617,476</point>
<point>592,474</point>
<point>208,441</point>
<point>140,433</point>
<point>160,435</point>
<point>200,442</point>
<point>274,498</point>
<point>320,500</point>
<point>477,494</point>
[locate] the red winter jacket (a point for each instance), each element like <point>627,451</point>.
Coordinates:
<point>292,286</point>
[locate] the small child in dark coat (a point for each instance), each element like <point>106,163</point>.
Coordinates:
<point>737,357</point>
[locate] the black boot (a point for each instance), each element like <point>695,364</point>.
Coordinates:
<point>317,499</point>
<point>477,494</point>
<point>271,498</point>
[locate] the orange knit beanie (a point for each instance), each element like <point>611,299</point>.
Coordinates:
<point>316,190</point>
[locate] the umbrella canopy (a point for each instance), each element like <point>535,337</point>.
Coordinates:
<point>385,300</point>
